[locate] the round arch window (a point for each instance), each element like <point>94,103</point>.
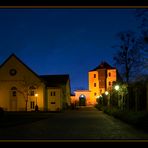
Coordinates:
<point>12,72</point>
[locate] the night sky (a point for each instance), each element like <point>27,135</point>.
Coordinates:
<point>63,41</point>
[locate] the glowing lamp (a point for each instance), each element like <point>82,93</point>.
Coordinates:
<point>117,87</point>
<point>106,93</point>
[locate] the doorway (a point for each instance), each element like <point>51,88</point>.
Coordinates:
<point>82,100</point>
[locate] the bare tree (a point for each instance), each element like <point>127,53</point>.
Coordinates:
<point>128,56</point>
<point>25,87</point>
<point>142,17</point>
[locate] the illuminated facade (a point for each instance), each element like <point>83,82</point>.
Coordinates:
<point>22,89</point>
<point>81,98</point>
<point>100,80</point>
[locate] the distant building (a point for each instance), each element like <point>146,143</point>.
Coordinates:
<point>100,79</point>
<point>22,89</point>
<point>82,97</point>
<point>58,91</point>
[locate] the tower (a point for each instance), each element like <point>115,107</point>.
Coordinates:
<point>101,79</point>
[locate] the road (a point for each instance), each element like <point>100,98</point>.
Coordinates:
<point>83,124</point>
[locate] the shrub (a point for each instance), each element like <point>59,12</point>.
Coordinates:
<point>99,107</point>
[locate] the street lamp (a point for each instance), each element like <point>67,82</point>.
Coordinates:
<point>106,93</point>
<point>36,98</point>
<point>108,97</point>
<point>36,106</point>
<point>98,97</point>
<point>117,87</point>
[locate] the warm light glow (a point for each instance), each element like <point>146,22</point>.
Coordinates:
<point>82,96</point>
<point>36,95</point>
<point>97,97</point>
<point>117,87</point>
<point>106,93</point>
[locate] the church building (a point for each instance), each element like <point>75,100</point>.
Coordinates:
<point>21,89</point>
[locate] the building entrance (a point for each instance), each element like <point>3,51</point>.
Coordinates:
<point>82,100</point>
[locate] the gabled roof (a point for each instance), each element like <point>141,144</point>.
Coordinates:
<point>13,55</point>
<point>55,80</point>
<point>103,65</point>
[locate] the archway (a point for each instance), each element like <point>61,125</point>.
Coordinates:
<point>82,100</point>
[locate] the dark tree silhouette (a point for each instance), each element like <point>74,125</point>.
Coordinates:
<point>142,17</point>
<point>128,55</point>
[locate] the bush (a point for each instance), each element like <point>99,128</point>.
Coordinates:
<point>138,119</point>
<point>111,111</point>
<point>99,107</point>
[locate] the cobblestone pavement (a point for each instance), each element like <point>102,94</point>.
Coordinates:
<point>83,124</point>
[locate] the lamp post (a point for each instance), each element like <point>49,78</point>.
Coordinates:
<point>117,87</point>
<point>36,106</point>
<point>36,95</point>
<point>108,98</point>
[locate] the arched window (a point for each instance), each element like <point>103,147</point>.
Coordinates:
<point>14,90</point>
<point>32,87</point>
<point>32,90</point>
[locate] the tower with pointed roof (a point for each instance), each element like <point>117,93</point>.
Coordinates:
<point>101,79</point>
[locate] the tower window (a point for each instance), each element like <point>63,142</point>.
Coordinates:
<point>94,84</point>
<point>109,74</point>
<point>94,75</point>
<point>109,83</point>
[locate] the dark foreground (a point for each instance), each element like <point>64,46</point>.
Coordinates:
<point>83,124</point>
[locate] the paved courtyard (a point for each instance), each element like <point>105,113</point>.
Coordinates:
<point>83,124</point>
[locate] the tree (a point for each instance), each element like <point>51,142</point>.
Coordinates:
<point>25,87</point>
<point>128,56</point>
<point>142,17</point>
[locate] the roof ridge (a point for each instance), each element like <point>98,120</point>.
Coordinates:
<point>103,65</point>
<point>13,54</point>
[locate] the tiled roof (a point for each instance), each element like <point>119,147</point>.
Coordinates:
<point>55,80</point>
<point>103,65</point>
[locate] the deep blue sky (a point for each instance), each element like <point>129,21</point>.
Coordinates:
<point>63,41</point>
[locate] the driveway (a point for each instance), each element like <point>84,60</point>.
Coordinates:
<point>83,124</point>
